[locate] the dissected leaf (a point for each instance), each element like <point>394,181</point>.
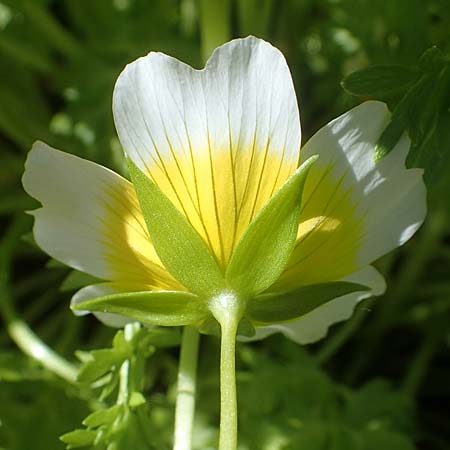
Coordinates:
<point>100,362</point>
<point>408,108</point>
<point>102,416</point>
<point>381,81</point>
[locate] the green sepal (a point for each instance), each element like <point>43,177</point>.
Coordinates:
<point>166,308</point>
<point>286,306</point>
<point>180,248</point>
<point>263,251</point>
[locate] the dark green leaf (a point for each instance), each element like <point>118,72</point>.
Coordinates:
<point>167,308</point>
<point>180,248</point>
<point>263,251</point>
<point>381,81</point>
<point>279,307</point>
<point>407,111</point>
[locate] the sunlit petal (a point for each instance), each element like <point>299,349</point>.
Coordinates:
<point>217,141</point>
<point>90,219</point>
<point>354,209</point>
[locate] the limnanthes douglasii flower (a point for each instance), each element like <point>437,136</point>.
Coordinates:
<point>225,218</point>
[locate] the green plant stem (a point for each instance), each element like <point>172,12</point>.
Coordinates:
<point>332,346</point>
<point>228,310</point>
<point>419,366</point>
<point>32,346</point>
<point>186,388</point>
<point>215,18</point>
<point>228,394</point>
<point>18,330</point>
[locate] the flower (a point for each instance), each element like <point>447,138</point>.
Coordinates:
<point>219,142</point>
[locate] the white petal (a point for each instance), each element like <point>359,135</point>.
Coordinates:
<point>355,210</point>
<point>90,218</point>
<point>100,290</point>
<point>217,141</point>
<point>314,325</point>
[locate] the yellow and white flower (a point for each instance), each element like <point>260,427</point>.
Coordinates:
<point>219,142</point>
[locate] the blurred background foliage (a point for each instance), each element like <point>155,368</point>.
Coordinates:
<point>379,381</point>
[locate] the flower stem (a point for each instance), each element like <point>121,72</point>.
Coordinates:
<point>228,396</point>
<point>228,310</point>
<point>32,346</point>
<point>17,329</point>
<point>185,404</point>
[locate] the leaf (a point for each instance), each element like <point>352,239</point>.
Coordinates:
<point>263,251</point>
<point>279,307</point>
<point>100,362</point>
<point>79,438</point>
<point>136,399</point>
<point>180,248</point>
<point>406,112</point>
<point>102,417</point>
<point>381,81</point>
<point>167,308</point>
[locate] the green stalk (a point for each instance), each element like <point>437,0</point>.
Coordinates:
<point>18,330</point>
<point>215,30</point>
<point>228,311</point>
<point>417,369</point>
<point>32,346</point>
<point>186,388</point>
<point>228,394</point>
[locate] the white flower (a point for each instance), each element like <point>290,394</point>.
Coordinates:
<point>219,142</point>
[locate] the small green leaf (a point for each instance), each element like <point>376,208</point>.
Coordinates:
<point>136,399</point>
<point>263,251</point>
<point>381,81</point>
<point>180,248</point>
<point>167,308</point>
<point>280,307</point>
<point>405,113</point>
<point>99,364</point>
<point>102,417</point>
<point>79,438</point>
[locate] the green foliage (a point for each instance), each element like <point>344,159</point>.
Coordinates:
<point>324,414</point>
<point>424,97</point>
<point>381,81</point>
<point>263,251</point>
<point>180,248</point>
<point>119,370</point>
<point>59,62</point>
